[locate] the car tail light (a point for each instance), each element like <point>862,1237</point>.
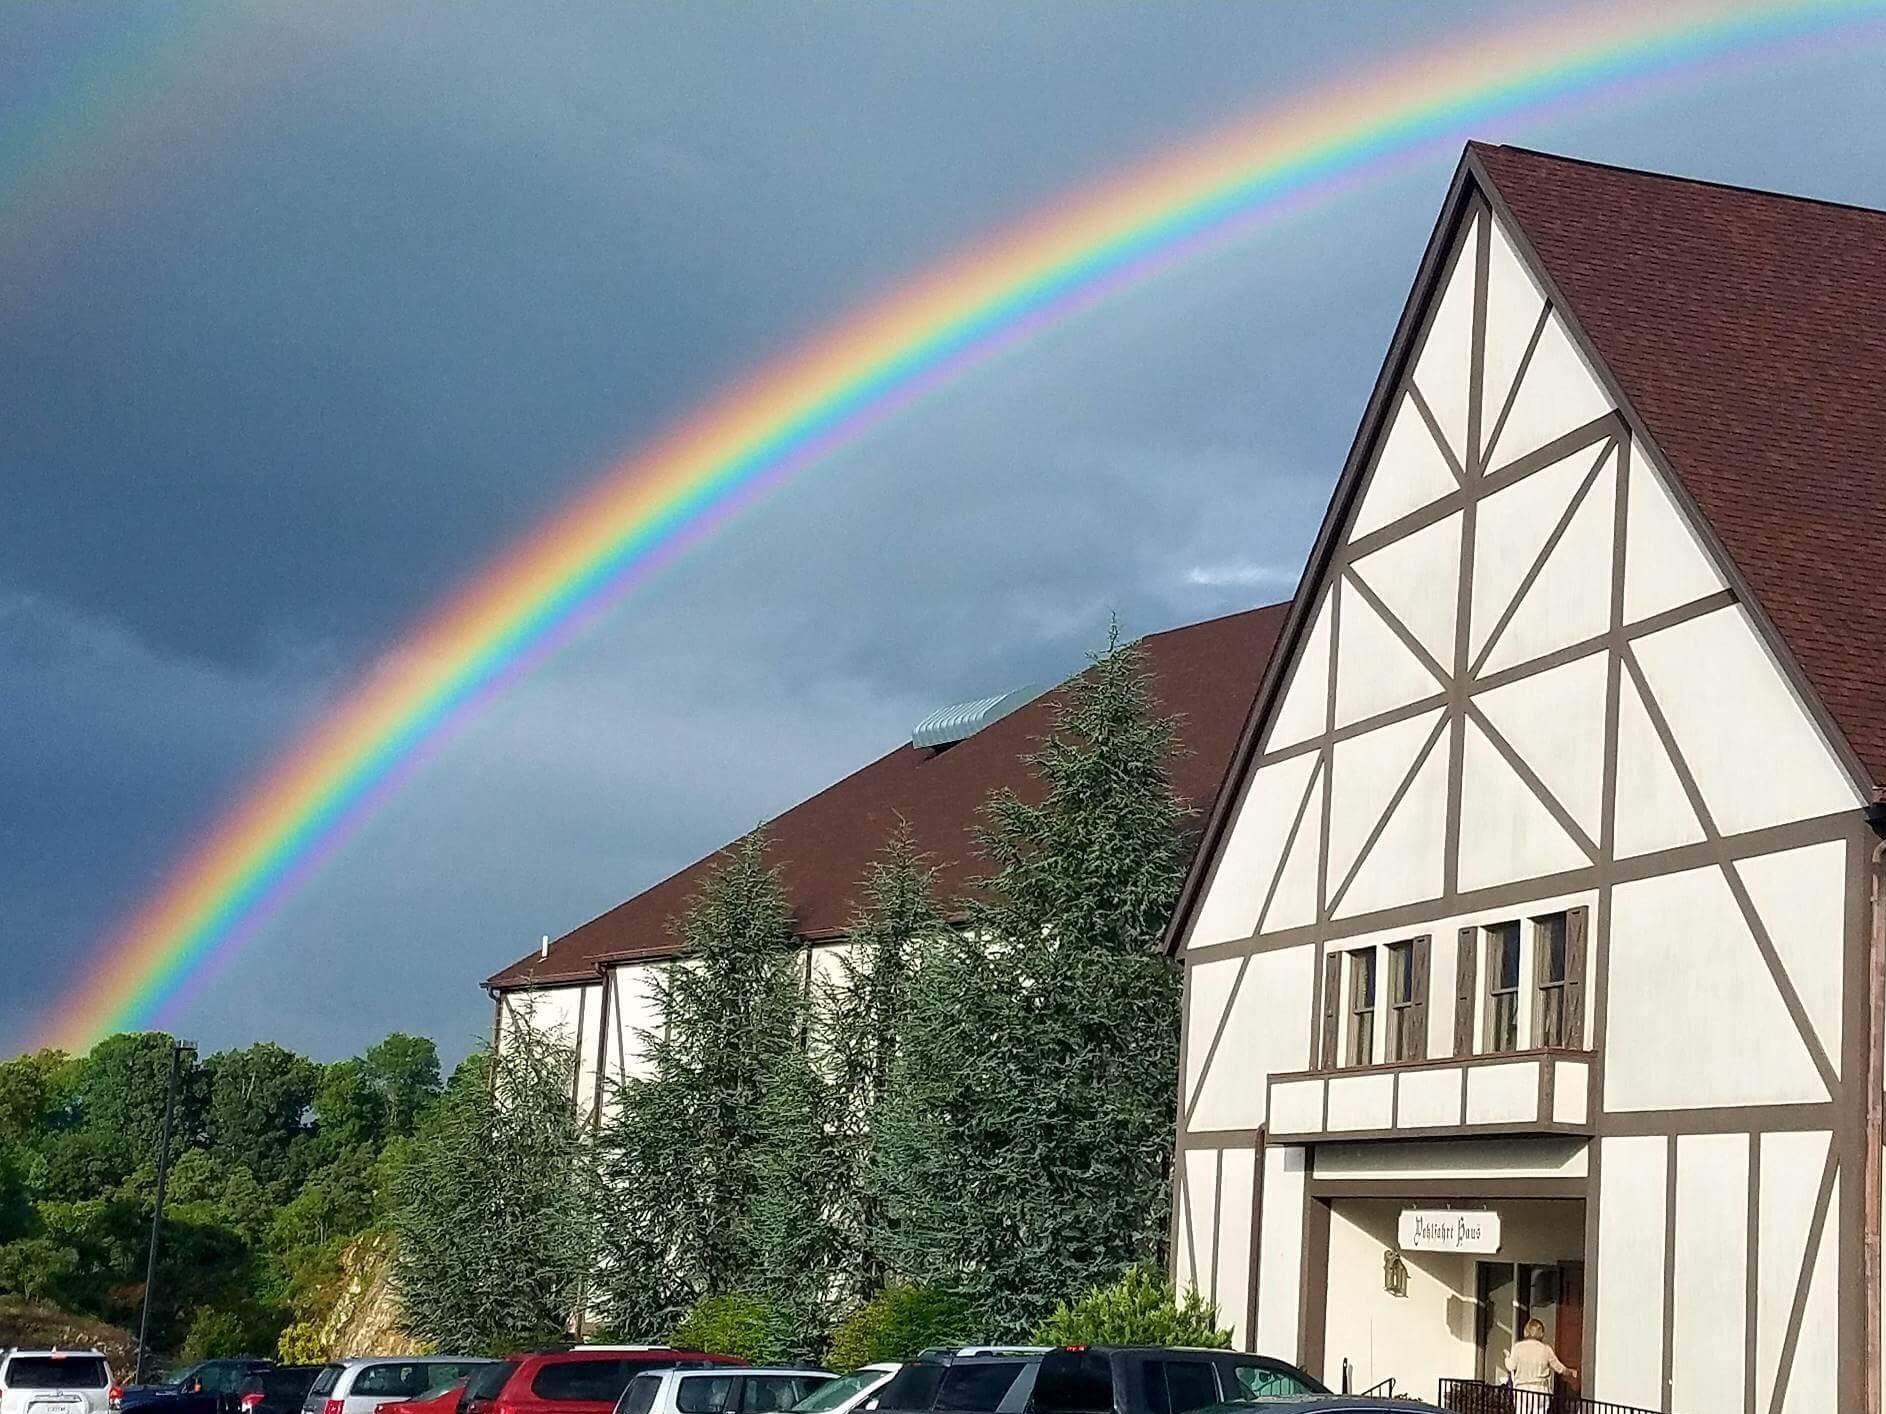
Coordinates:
<point>250,1400</point>
<point>334,1406</point>
<point>115,1396</point>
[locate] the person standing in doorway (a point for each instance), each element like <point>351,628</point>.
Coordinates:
<point>1532,1363</point>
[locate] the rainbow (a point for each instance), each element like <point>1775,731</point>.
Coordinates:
<point>653,506</point>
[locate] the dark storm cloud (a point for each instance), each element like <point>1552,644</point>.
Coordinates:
<point>399,284</point>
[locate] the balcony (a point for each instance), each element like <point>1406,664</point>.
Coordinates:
<point>1514,1092</point>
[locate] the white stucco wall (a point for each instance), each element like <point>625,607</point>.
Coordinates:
<point>1280,1255</point>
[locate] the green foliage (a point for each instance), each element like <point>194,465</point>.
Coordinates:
<point>685,1151</point>
<point>492,1209</point>
<point>796,1248</point>
<point>404,1072</point>
<point>898,1322</point>
<point>1137,1309</point>
<point>213,1335</point>
<point>259,1099</point>
<point>348,1107</point>
<point>36,1267</point>
<point>859,1021</point>
<point>731,1324</point>
<point>1028,1142</point>
<point>78,1177</point>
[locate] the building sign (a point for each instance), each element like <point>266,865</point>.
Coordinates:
<point>1449,1230</point>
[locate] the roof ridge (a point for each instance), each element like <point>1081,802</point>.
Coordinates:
<point>1738,188</point>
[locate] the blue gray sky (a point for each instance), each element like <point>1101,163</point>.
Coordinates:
<point>307,311</point>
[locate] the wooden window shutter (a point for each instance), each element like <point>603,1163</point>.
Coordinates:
<point>1464,993</point>
<point>1418,1009</point>
<point>1575,950</point>
<point>1332,996</point>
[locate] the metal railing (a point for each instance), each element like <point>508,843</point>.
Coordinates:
<point>1474,1397</point>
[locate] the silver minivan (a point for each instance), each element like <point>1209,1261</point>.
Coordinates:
<point>364,1383</point>
<point>54,1382</point>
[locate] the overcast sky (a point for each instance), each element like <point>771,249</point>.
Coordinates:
<point>306,312</point>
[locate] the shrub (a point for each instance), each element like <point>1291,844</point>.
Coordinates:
<point>744,1326</point>
<point>898,1322</point>
<point>1138,1309</point>
<point>213,1334</point>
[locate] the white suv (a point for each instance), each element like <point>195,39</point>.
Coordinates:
<point>722,1389</point>
<point>54,1382</point>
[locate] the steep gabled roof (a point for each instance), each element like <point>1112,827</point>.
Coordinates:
<point>1745,334</point>
<point>1207,673</point>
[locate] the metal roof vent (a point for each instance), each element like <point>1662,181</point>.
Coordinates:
<point>948,725</point>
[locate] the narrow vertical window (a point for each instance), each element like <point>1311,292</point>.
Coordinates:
<point>1408,1000</point>
<point>1552,967</point>
<point>1502,944</point>
<point>1362,1006</point>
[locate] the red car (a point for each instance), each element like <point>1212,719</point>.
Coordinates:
<point>586,1380</point>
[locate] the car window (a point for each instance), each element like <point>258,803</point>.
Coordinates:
<point>833,1393</point>
<point>441,1375</point>
<point>639,1397</point>
<point>56,1372</point>
<point>392,1380</point>
<point>585,1379</point>
<point>1265,1381</point>
<point>977,1386</point>
<point>770,1394</point>
<point>326,1380</point>
<point>913,1387</point>
<point>703,1394</point>
<point>1073,1382</point>
<point>1190,1384</point>
<point>223,1379</point>
<point>488,1381</point>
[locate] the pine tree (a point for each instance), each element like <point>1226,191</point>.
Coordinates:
<point>493,1208</point>
<point>860,1018</point>
<point>686,1150</point>
<point>1036,1077</point>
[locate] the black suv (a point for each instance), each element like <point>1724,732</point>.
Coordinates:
<point>977,1379</point>
<point>1141,1379</point>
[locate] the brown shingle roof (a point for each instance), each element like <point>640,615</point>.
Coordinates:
<point>1747,331</point>
<point>1207,673</point>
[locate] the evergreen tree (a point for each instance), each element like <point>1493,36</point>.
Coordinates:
<point>686,1146</point>
<point>1031,1135</point>
<point>859,1021</point>
<point>798,1246</point>
<point>493,1207</point>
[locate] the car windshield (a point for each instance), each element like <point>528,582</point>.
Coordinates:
<point>56,1372</point>
<point>836,1392</point>
<point>184,1376</point>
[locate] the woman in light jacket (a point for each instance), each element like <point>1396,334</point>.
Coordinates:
<point>1532,1363</point>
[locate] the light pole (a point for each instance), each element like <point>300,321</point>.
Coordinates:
<point>178,1049</point>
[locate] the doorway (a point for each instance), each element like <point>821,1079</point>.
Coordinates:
<point>1511,1293</point>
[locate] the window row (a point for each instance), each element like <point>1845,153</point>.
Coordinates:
<point>1375,998</point>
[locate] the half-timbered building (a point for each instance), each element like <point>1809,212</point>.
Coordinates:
<point>1532,955</point>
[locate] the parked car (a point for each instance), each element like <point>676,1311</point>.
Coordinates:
<point>442,1398</point>
<point>208,1387</point>
<point>278,1391</point>
<point>977,1379</point>
<point>362,1384</point>
<point>54,1382</point>
<point>586,1380</point>
<point>1161,1380</point>
<point>1141,1379</point>
<point>719,1390</point>
<point>846,1393</point>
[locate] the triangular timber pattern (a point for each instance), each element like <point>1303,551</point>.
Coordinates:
<point>1526,662</point>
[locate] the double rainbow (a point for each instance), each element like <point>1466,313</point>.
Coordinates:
<point>648,509</point>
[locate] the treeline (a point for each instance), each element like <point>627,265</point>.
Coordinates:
<point>968,1127</point>
<point>277,1162</point>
